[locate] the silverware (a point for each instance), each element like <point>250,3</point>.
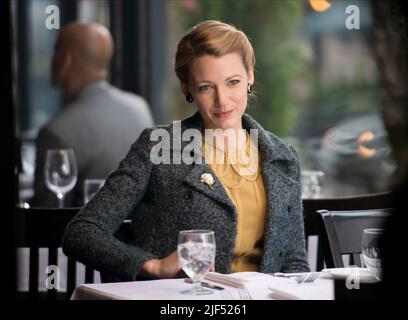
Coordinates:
<point>299,277</point>
<point>307,277</point>
<point>205,284</point>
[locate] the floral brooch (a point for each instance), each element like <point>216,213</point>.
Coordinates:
<point>208,179</point>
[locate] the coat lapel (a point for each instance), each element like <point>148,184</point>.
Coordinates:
<point>216,192</point>
<point>274,156</point>
<point>193,176</point>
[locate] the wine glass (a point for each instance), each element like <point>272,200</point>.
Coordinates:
<point>196,251</point>
<point>91,186</point>
<point>60,172</point>
<point>371,251</point>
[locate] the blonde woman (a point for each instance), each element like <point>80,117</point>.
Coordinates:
<point>253,205</point>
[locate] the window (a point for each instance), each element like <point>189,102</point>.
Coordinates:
<point>317,84</point>
<point>37,100</point>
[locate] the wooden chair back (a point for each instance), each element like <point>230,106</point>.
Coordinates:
<point>44,228</point>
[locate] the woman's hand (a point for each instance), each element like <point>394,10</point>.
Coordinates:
<point>167,267</point>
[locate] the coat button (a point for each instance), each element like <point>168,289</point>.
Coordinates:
<point>188,195</point>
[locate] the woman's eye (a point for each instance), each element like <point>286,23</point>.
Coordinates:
<point>233,82</point>
<point>204,88</point>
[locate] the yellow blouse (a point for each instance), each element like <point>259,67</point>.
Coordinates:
<point>242,180</point>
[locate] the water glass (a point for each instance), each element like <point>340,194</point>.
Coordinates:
<point>91,186</point>
<point>312,184</point>
<point>371,251</point>
<point>196,251</point>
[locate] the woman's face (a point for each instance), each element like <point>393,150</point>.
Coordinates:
<point>219,88</point>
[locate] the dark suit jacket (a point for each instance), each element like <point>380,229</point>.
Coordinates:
<point>162,199</point>
<point>99,125</point>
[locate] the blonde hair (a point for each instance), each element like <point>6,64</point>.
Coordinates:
<point>214,38</point>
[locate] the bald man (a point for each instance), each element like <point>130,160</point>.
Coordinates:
<point>99,123</point>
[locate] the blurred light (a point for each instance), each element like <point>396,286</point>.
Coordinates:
<point>365,152</point>
<point>366,136</point>
<point>362,151</point>
<point>337,139</point>
<point>320,5</point>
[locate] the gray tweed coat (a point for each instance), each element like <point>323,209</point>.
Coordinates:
<point>162,199</point>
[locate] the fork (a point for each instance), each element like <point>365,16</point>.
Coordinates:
<point>299,278</point>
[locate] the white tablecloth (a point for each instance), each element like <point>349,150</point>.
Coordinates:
<point>169,289</point>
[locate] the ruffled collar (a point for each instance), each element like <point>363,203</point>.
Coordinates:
<point>241,161</point>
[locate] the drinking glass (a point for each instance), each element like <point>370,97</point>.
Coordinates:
<point>60,172</point>
<point>312,183</point>
<point>196,251</point>
<point>371,251</point>
<point>91,186</point>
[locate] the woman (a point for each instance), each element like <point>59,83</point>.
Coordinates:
<point>256,214</point>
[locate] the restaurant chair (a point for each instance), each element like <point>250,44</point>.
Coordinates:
<point>44,228</point>
<point>344,230</point>
<point>314,225</point>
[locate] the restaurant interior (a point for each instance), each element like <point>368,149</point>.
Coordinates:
<point>331,80</point>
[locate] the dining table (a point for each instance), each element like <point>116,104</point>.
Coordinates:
<point>263,287</point>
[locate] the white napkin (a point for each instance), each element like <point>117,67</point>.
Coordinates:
<point>240,279</point>
<point>279,294</point>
